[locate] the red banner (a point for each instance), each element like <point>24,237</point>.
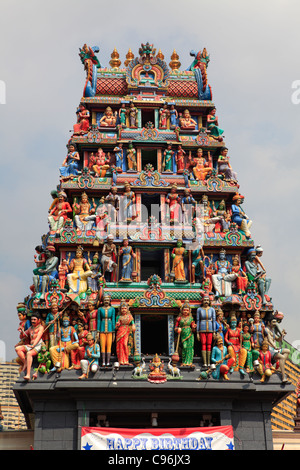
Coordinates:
<point>172,439</point>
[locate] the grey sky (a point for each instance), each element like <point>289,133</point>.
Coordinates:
<point>254,50</point>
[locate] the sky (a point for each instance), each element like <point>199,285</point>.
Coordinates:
<point>253,71</point>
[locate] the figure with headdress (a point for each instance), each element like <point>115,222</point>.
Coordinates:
<point>70,165</point>
<point>238,215</point>
<point>67,343</point>
<point>83,120</point>
<point>109,257</point>
<point>185,328</point>
<point>46,273</point>
<point>213,125</point>
<point>128,256</point>
<point>174,202</point>
<point>79,273</point>
<point>168,159</point>
<point>124,326</point>
<point>178,261</point>
<point>223,277</point>
<point>108,119</point>
<point>206,328</point>
<point>83,210</point>
<point>106,322</point>
<point>220,359</point>
<point>59,213</point>
<point>233,339</point>
<point>131,158</point>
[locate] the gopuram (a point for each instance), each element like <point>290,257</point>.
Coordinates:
<point>150,307</point>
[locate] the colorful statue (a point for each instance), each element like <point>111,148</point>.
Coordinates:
<point>241,280</point>
<point>44,361</point>
<point>122,115</point>
<point>157,373</point>
<point>91,357</point>
<point>124,325</point>
<point>168,159</point>
<point>223,277</point>
<point>197,263</point>
<point>70,166</point>
<point>106,322</point>
<point>213,125</point>
<point>255,274</point>
<point>108,119</point>
<point>201,168</point>
<point>238,215</point>
<point>180,159</point>
<point>224,166</point>
<point>206,329</point>
<point>173,117</point>
<point>174,202</point>
<point>221,359</point>
<point>118,150</point>
<point>46,274</point>
<point>95,267</point>
<point>109,257</point>
<point>61,354</point>
<point>28,351</point>
<point>265,367</point>
<point>185,327</point>
<point>92,318</point>
<point>186,122</point>
<point>248,345</point>
<point>233,339</point>
<point>164,115</point>
<point>128,204</point>
<point>112,202</point>
<point>79,273</point>
<point>188,205</point>
<point>101,164</point>
<point>82,211</point>
<point>131,158</point>
<point>63,270</point>
<point>178,253</point>
<point>51,324</point>
<point>83,120</point>
<point>274,335</point>
<point>59,213</point>
<point>128,257</point>
<point>133,115</point>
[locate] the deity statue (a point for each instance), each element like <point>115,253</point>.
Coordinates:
<point>46,273</point>
<point>26,352</point>
<point>95,267</point>
<point>224,167</point>
<point>92,318</point>
<point>266,367</point>
<point>233,338</point>
<point>257,330</point>
<point>79,353</point>
<point>108,119</point>
<point>221,359</point>
<point>173,200</point>
<point>197,263</point>
<point>168,159</point>
<point>178,254</point>
<point>206,328</point>
<point>256,274</point>
<point>206,218</point>
<point>186,122</point>
<point>101,219</point>
<point>185,327</point>
<point>200,167</point>
<point>173,116</point>
<point>274,335</point>
<point>128,257</point>
<point>128,204</point>
<point>112,202</point>
<point>124,325</point>
<point>180,159</point>
<point>133,115</point>
<point>51,324</point>
<point>83,120</point>
<point>106,322</point>
<point>90,361</point>
<point>109,257</point>
<point>131,158</point>
<point>223,277</point>
<point>213,125</point>
<point>59,213</point>
<point>241,280</point>
<point>157,373</point>
<point>79,273</point>
<point>61,353</point>
<point>24,323</point>
<point>82,211</point>
<point>70,165</point>
<point>44,361</point>
<point>101,164</point>
<point>238,215</point>
<point>118,150</point>
<point>188,205</point>
<point>63,270</point>
<point>164,115</point>
<point>122,115</point>
<point>221,323</point>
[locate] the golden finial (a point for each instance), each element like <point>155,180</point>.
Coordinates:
<point>115,61</point>
<point>174,64</point>
<point>129,57</point>
<point>160,55</point>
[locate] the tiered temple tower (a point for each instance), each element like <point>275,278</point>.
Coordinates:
<point>148,245</point>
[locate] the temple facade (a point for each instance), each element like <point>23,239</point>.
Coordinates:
<point>150,305</point>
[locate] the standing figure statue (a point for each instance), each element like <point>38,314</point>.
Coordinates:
<point>46,273</point>
<point>168,159</point>
<point>164,115</point>
<point>131,158</point>
<point>178,262</point>
<point>128,204</point>
<point>106,322</point>
<point>118,151</point>
<point>112,201</point>
<point>128,257</point>
<point>180,159</point>
<point>27,352</point>
<point>275,337</point>
<point>185,327</point>
<point>206,328</point>
<point>133,115</point>
<point>124,325</point>
<point>197,263</point>
<point>174,202</point>
<point>62,353</point>
<point>233,338</point>
<point>122,113</point>
<point>109,258</point>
